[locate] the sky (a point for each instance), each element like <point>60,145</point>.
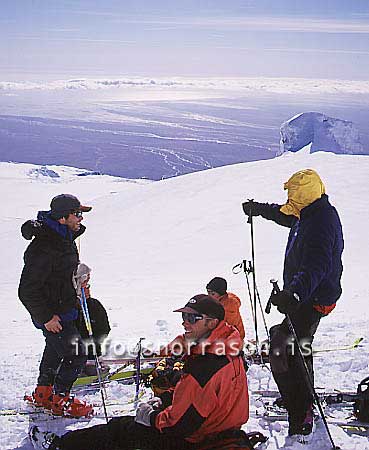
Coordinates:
<point>251,38</point>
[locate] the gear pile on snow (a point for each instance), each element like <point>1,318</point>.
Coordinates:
<point>165,375</point>
<point>361,405</point>
<point>41,440</point>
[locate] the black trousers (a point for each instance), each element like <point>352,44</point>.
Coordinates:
<point>121,433</point>
<point>62,359</point>
<point>286,364</point>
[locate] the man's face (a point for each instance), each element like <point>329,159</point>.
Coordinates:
<point>213,294</point>
<point>200,329</point>
<point>73,222</point>
<point>86,286</point>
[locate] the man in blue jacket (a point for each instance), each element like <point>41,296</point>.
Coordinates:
<point>311,285</point>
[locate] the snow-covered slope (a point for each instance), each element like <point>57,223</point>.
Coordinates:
<point>324,133</point>
<point>153,245</point>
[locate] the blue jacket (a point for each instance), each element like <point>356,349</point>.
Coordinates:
<point>313,258</point>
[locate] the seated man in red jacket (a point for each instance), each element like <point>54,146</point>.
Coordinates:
<point>209,401</point>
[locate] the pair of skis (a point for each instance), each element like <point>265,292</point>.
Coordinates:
<point>90,383</point>
<point>116,408</point>
<point>120,375</point>
<point>271,412</point>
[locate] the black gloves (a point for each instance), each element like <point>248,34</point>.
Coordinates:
<point>30,229</point>
<point>285,301</point>
<point>251,208</point>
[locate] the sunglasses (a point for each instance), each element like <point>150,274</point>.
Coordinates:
<point>191,317</point>
<point>78,214</point>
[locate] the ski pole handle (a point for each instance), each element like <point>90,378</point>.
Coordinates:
<point>245,266</point>
<point>269,304</point>
<point>237,268</point>
<point>249,220</point>
<point>275,286</point>
<point>275,290</point>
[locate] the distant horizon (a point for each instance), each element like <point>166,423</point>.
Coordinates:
<point>67,75</point>
<point>293,85</point>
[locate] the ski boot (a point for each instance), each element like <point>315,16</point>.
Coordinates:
<point>42,440</point>
<point>302,432</point>
<point>67,405</point>
<point>308,425</point>
<point>40,397</point>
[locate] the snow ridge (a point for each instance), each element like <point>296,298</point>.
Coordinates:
<point>323,132</point>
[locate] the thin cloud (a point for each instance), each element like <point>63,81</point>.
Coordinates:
<point>294,50</point>
<point>62,30</point>
<point>250,22</point>
<point>315,50</point>
<point>72,39</point>
<point>253,23</point>
<point>88,12</point>
<point>364,15</point>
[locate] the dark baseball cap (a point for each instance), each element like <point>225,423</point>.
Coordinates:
<point>66,203</point>
<point>203,304</point>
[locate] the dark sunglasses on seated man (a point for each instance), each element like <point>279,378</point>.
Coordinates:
<point>193,317</point>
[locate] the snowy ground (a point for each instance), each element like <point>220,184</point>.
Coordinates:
<point>153,245</point>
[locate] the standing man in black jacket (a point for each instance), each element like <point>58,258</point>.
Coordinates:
<point>311,285</point>
<point>46,290</point>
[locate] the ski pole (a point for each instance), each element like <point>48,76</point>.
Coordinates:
<point>262,313</point>
<point>138,369</point>
<point>251,222</point>
<point>246,267</point>
<point>243,266</point>
<point>86,316</point>
<point>292,330</point>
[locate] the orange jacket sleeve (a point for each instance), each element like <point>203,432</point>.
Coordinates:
<point>231,306</point>
<point>188,410</point>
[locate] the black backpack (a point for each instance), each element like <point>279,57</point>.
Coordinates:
<point>361,405</point>
<point>232,440</point>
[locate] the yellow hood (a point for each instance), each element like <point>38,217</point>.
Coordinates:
<point>304,187</point>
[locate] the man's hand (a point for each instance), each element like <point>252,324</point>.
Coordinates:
<point>155,402</point>
<point>54,325</point>
<point>285,302</point>
<point>143,414</point>
<point>251,208</point>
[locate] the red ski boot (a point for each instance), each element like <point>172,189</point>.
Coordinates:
<point>66,405</point>
<point>41,396</point>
